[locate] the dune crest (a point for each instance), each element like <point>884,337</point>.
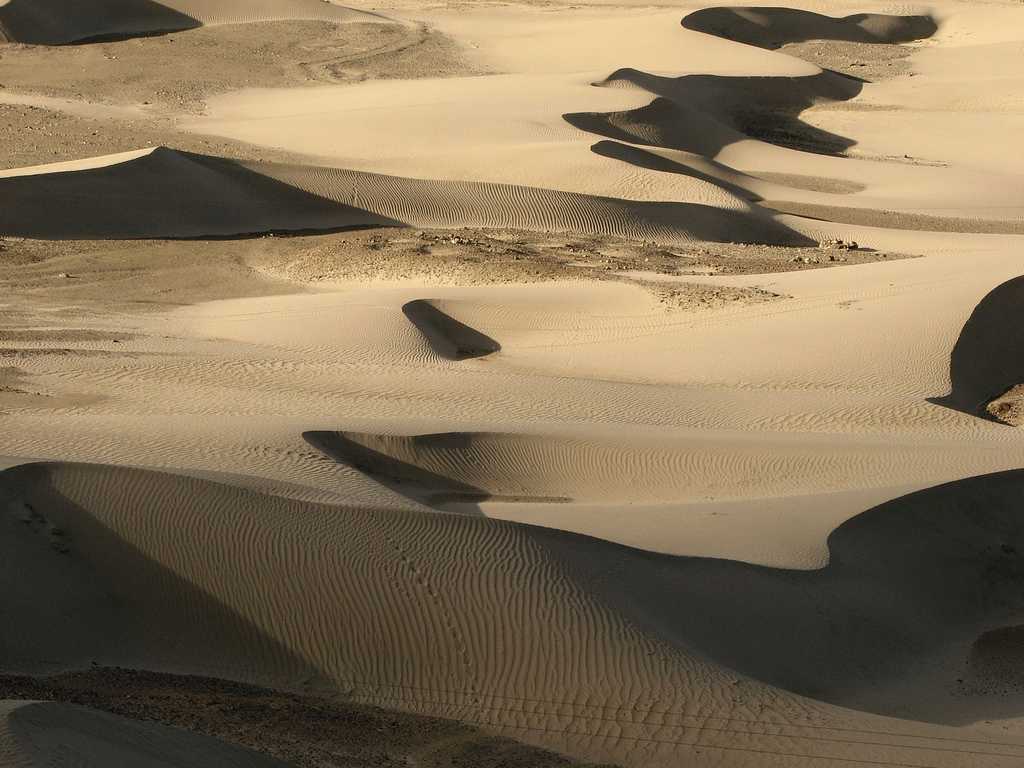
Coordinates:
<point>773,27</point>
<point>448,337</point>
<point>987,362</point>
<point>385,606</point>
<point>63,22</point>
<point>173,194</point>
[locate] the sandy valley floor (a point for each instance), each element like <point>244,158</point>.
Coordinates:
<point>523,384</point>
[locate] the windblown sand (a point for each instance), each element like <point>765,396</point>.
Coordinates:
<point>522,384</point>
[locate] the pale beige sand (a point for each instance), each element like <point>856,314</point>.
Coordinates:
<point>779,527</point>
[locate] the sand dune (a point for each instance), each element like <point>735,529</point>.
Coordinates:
<point>60,22</point>
<point>688,497</point>
<point>773,27</point>
<point>386,606</point>
<point>173,194</point>
<point>448,337</point>
<point>705,113</point>
<point>988,358</point>
<point>43,734</point>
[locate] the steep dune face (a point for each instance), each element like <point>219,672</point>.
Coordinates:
<point>172,194</point>
<point>42,734</point>
<point>61,22</point>
<point>58,22</point>
<point>410,608</point>
<point>447,336</point>
<point>987,362</point>
<point>703,114</point>
<point>164,193</point>
<point>770,27</point>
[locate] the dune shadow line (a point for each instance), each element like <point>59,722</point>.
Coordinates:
<point>447,336</point>
<point>772,28</point>
<point>80,22</point>
<point>988,357</point>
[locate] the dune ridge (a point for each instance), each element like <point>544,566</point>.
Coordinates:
<point>172,194</point>
<point>63,22</point>
<point>447,336</point>
<point>774,27</point>
<point>389,606</point>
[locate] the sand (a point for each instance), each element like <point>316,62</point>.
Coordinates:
<point>522,384</point>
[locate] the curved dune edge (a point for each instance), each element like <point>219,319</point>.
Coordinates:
<point>703,114</point>
<point>47,733</point>
<point>448,337</point>
<point>903,220</point>
<point>63,22</point>
<point>408,610</point>
<point>774,27</point>
<point>986,365</point>
<point>164,193</point>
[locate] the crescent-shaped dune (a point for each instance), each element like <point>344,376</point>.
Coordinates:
<point>60,22</point>
<point>172,194</point>
<point>559,637</point>
<point>46,734</point>
<point>773,27</point>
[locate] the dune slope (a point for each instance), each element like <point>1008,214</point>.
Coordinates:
<point>172,194</point>
<point>407,608</point>
<point>774,27</point>
<point>60,22</point>
<point>45,734</point>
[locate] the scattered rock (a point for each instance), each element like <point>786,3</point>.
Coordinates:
<point>839,244</point>
<point>1008,408</point>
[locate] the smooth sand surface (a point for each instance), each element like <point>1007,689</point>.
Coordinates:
<point>645,386</point>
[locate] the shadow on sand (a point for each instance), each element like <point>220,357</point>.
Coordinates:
<point>988,357</point>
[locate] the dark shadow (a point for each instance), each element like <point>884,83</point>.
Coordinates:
<point>81,594</point>
<point>772,28</point>
<point>180,195</point>
<point>703,114</point>
<point>363,452</point>
<point>642,158</point>
<point>447,336</point>
<point>52,733</point>
<point>988,357</point>
<point>168,194</point>
<point>64,22</point>
<point>421,467</point>
<point>909,582</point>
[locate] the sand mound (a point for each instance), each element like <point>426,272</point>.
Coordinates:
<point>770,27</point>
<point>59,22</point>
<point>410,610</point>
<point>173,194</point>
<point>162,193</point>
<point>703,114</point>
<point>987,362</point>
<point>446,335</point>
<point>44,734</point>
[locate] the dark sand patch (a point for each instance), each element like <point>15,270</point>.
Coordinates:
<point>302,730</point>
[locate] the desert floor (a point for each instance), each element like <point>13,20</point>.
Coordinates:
<point>464,383</point>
